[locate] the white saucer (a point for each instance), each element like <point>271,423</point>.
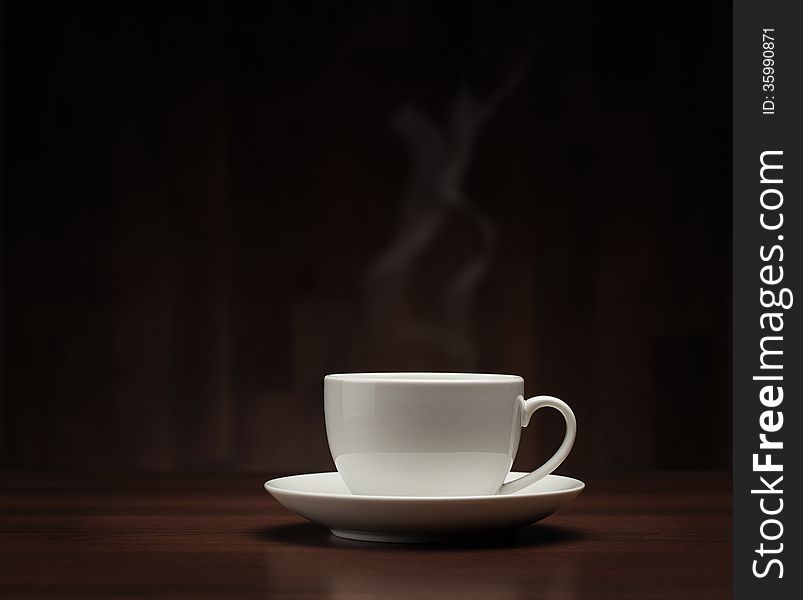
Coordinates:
<point>324,499</point>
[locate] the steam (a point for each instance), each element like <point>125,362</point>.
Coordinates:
<point>434,199</point>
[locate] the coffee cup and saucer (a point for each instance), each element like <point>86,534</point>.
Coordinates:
<point>425,457</point>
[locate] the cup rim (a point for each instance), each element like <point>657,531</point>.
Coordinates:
<point>424,377</point>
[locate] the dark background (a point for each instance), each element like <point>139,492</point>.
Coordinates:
<point>208,207</point>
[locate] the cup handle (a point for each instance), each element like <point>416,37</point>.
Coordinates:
<point>527,410</point>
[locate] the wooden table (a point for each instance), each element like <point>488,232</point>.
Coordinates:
<point>648,535</point>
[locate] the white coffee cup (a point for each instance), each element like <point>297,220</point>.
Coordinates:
<point>433,434</point>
